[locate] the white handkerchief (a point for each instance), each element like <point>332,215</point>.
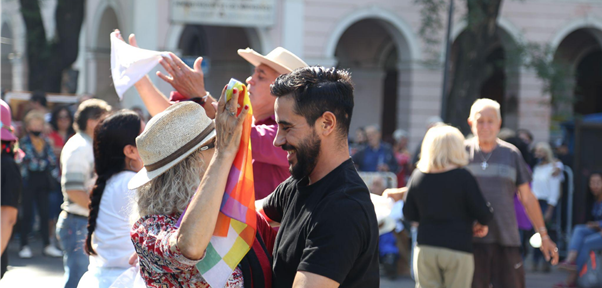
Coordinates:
<point>129,64</point>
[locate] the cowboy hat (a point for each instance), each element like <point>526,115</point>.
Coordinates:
<point>6,129</point>
<point>169,138</point>
<point>279,59</point>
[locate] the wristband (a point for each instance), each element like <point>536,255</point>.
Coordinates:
<point>203,100</point>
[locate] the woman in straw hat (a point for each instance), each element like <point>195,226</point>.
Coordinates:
<point>180,148</point>
<point>445,200</point>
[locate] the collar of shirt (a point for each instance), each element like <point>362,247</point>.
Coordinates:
<point>267,121</point>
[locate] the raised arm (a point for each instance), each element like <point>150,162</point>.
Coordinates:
<point>194,235</point>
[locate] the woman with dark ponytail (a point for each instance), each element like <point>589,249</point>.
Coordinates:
<point>116,161</point>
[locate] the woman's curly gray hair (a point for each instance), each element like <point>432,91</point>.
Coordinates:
<point>171,191</point>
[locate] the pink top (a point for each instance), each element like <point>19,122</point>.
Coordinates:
<point>268,161</point>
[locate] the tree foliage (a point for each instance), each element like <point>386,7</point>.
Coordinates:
<point>47,60</point>
<point>470,65</point>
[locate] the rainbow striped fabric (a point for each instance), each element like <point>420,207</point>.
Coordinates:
<point>236,223</point>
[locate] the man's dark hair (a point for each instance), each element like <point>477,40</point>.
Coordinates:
<point>317,90</point>
<point>89,109</point>
<point>40,97</point>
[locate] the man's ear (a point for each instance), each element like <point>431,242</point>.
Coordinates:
<point>469,122</point>
<point>326,124</point>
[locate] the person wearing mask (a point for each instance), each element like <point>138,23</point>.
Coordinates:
<point>11,184</point>
<point>376,156</point>
<point>77,180</point>
<point>586,237</point>
<point>116,161</point>
<point>500,169</point>
<point>546,187</point>
<point>189,84</point>
<point>443,256</point>
<point>39,172</point>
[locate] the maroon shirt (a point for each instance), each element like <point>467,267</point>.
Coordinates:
<point>270,166</point>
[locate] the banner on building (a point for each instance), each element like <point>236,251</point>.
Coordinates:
<point>248,13</point>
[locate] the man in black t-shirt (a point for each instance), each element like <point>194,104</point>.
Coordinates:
<point>328,233</point>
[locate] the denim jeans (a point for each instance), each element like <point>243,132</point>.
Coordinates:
<point>583,241</point>
<point>72,231</point>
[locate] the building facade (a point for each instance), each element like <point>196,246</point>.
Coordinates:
<point>376,40</point>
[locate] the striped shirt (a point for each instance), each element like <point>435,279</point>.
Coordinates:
<point>77,166</point>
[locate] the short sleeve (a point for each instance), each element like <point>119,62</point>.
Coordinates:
<point>523,172</point>
<point>74,170</point>
<point>274,204</point>
<point>155,241</point>
<point>335,241</point>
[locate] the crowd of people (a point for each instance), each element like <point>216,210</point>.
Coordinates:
<point>148,194</point>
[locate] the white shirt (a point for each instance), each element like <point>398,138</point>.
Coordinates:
<point>545,186</point>
<point>77,164</point>
<point>111,238</point>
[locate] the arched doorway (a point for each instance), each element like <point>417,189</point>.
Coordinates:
<point>7,54</point>
<point>371,52</point>
<point>501,74</point>
<point>581,50</point>
<point>104,88</point>
<point>218,46</point>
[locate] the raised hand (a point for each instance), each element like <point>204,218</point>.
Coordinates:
<point>229,126</point>
<point>188,82</point>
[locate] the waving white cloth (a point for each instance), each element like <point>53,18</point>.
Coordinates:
<point>129,64</point>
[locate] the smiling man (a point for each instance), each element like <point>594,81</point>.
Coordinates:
<point>501,172</point>
<point>328,235</point>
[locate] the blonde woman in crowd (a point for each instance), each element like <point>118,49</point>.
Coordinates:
<point>446,201</point>
<point>546,187</point>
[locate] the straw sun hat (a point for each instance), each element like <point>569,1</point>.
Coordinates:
<point>279,59</point>
<point>169,138</point>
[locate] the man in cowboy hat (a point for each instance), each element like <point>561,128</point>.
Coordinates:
<point>328,235</point>
<point>268,161</point>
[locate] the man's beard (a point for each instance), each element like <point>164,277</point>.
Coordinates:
<point>307,156</point>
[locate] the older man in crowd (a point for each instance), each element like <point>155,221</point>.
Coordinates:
<point>268,161</point>
<point>500,170</point>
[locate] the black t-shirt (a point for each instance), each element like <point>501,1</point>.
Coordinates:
<point>10,181</point>
<point>446,205</point>
<point>328,228</point>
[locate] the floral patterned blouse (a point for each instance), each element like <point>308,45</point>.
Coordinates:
<point>161,262</point>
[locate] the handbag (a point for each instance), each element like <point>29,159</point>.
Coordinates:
<point>590,275</point>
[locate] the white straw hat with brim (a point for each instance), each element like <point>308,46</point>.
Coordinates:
<point>279,59</point>
<point>169,138</point>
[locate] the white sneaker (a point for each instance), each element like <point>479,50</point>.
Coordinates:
<point>25,252</point>
<point>52,251</point>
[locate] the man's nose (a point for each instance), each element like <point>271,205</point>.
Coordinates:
<point>249,79</point>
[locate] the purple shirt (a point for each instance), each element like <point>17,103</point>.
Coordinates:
<point>270,166</point>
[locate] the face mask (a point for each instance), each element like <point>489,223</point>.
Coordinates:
<point>36,133</point>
